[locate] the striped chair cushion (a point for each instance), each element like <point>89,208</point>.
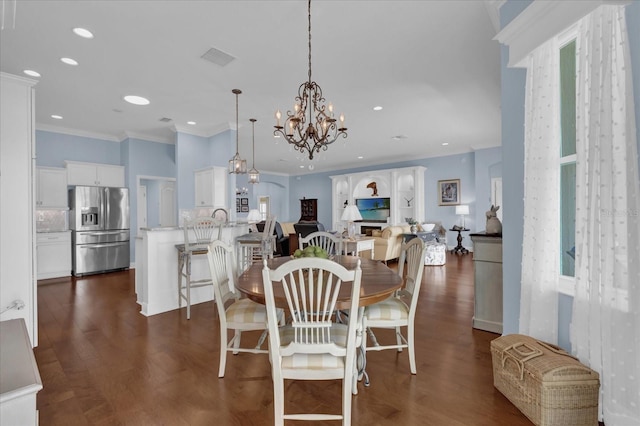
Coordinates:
<point>387,310</point>
<point>314,361</point>
<point>246,311</point>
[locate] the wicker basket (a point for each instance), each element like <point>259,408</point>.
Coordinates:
<point>547,384</point>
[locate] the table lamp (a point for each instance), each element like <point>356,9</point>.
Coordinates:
<point>462,210</point>
<point>254,216</point>
<point>349,215</point>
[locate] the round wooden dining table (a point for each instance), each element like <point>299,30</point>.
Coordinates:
<point>378,281</point>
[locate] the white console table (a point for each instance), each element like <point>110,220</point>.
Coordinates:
<point>487,265</point>
<point>358,245</point>
<point>19,375</point>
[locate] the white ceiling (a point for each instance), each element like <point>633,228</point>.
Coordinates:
<point>432,66</point>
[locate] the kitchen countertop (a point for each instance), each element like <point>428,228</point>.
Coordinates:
<point>174,228</point>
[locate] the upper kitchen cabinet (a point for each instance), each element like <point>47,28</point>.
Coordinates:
<point>94,174</point>
<point>211,187</point>
<point>51,187</point>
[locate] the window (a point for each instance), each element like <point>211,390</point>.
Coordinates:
<point>567,158</point>
<point>264,207</point>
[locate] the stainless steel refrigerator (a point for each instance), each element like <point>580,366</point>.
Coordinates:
<point>99,220</point>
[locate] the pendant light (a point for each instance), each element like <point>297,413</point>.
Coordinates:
<point>237,165</point>
<point>254,174</point>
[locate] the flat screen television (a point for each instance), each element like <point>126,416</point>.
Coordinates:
<point>374,209</point>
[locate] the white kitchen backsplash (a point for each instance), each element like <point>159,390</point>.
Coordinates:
<point>53,220</point>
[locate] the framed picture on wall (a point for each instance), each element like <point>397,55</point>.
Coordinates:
<point>237,205</point>
<point>244,209</point>
<point>449,192</point>
<point>244,202</point>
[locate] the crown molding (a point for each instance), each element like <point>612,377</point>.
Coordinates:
<point>76,132</point>
<point>541,21</point>
<point>19,79</point>
<point>133,135</point>
<point>206,132</point>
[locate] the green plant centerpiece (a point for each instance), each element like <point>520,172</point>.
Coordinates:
<point>311,251</point>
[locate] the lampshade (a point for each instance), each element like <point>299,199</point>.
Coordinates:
<point>254,216</point>
<point>462,209</point>
<point>351,213</point>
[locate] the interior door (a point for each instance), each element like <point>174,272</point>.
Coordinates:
<point>168,203</point>
<point>142,207</point>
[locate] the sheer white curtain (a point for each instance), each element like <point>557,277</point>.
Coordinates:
<point>540,247</point>
<point>605,331</point>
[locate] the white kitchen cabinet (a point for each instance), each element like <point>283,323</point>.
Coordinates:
<point>19,376</point>
<point>53,254</point>
<point>94,174</point>
<point>17,198</point>
<point>211,187</point>
<point>51,187</point>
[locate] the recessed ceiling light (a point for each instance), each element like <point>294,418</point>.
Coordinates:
<point>377,108</point>
<point>82,32</point>
<point>192,123</point>
<point>360,157</point>
<point>276,136</point>
<point>445,143</point>
<point>57,117</point>
<point>136,100</point>
<point>32,73</point>
<point>69,61</point>
<point>302,167</point>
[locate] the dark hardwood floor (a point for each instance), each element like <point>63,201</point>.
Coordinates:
<point>104,363</point>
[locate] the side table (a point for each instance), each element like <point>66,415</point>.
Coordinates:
<point>459,248</point>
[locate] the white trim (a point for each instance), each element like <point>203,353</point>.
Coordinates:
<point>19,79</point>
<point>141,136</point>
<point>567,285</point>
<point>75,132</point>
<point>568,159</point>
<point>541,21</point>
<point>204,133</point>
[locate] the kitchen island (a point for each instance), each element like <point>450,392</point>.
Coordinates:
<point>157,267</point>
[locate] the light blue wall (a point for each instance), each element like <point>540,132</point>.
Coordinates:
<point>191,153</point>
<point>53,148</point>
<point>513,89</point>
<point>144,158</point>
<point>488,166</point>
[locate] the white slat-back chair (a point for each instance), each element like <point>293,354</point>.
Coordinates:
<point>331,243</point>
<point>312,347</point>
<point>233,312</point>
<point>203,230</point>
<point>399,310</point>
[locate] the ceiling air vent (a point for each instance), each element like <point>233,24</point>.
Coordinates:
<point>165,119</point>
<point>217,56</point>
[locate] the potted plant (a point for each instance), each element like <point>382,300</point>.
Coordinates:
<point>413,223</point>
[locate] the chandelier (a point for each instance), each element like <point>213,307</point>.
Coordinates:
<point>237,165</point>
<point>321,129</point>
<point>254,174</point>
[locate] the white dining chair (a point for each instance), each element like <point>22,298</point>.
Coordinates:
<point>399,310</point>
<point>203,230</point>
<point>233,312</point>
<point>331,243</point>
<point>312,346</point>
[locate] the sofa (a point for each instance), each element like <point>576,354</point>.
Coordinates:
<point>282,239</point>
<point>388,242</point>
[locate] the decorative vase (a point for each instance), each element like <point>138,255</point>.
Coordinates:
<point>414,228</point>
